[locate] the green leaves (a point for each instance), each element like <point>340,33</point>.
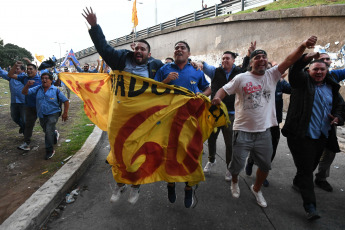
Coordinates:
<point>11,53</point>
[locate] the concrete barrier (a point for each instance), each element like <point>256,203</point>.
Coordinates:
<point>33,213</point>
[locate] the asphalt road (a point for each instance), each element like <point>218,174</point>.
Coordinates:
<point>216,208</point>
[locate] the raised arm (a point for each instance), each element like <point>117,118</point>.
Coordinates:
<point>296,54</point>
<point>90,16</point>
<point>25,89</point>
<point>12,74</point>
<point>111,56</point>
<point>246,59</point>
<point>27,60</point>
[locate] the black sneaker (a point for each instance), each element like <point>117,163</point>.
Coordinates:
<point>171,193</point>
<point>311,212</point>
<point>249,168</point>
<point>323,184</point>
<point>188,198</point>
<point>266,183</point>
<point>50,155</point>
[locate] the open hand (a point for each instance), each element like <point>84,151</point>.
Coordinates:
<point>90,16</point>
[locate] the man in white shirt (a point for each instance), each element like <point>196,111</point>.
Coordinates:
<point>255,114</point>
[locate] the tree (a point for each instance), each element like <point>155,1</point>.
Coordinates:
<point>11,53</point>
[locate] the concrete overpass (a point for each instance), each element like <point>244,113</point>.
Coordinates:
<point>278,32</point>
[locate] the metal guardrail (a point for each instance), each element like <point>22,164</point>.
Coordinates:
<point>229,7</point>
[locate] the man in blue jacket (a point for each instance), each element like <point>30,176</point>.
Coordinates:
<point>48,99</point>
<point>137,62</point>
<point>315,109</point>
<point>30,100</point>
<point>17,98</point>
<point>182,73</point>
<point>328,156</point>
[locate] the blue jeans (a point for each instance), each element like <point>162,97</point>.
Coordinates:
<point>18,114</point>
<point>48,123</point>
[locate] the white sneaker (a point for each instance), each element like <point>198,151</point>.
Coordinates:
<point>208,166</point>
<point>24,147</point>
<point>133,195</point>
<point>228,175</point>
<point>117,193</point>
<point>235,189</point>
<point>259,197</point>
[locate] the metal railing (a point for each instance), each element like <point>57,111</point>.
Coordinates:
<point>229,7</point>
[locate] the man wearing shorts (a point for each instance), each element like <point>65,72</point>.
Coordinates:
<point>255,114</point>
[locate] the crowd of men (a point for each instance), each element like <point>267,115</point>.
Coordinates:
<point>315,109</point>
<point>252,94</point>
<point>35,94</point>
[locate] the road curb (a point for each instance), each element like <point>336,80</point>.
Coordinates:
<point>35,210</point>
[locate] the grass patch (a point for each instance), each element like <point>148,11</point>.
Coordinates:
<point>288,4</point>
<point>5,98</point>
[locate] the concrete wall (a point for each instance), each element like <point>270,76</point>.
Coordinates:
<point>278,32</point>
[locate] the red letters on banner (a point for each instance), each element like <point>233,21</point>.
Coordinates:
<point>154,152</point>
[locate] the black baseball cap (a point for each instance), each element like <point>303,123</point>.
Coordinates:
<point>256,52</point>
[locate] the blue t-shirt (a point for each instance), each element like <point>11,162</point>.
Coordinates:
<point>188,77</point>
<point>30,100</point>
<point>47,102</point>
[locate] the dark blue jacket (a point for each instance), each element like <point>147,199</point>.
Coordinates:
<point>301,104</point>
<point>116,59</point>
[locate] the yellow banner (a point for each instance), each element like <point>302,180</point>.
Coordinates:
<point>39,57</point>
<point>134,14</point>
<point>156,131</point>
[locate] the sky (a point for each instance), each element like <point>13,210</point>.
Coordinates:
<point>48,28</point>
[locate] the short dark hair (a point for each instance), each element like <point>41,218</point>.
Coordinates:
<point>183,43</point>
<point>49,75</point>
<point>169,58</point>
<point>317,61</point>
<point>234,55</point>
<point>33,65</point>
<point>22,67</point>
<point>144,41</point>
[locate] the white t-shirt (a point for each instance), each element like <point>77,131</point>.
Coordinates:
<point>255,100</point>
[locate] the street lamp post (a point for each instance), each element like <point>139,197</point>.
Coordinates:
<point>60,43</point>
